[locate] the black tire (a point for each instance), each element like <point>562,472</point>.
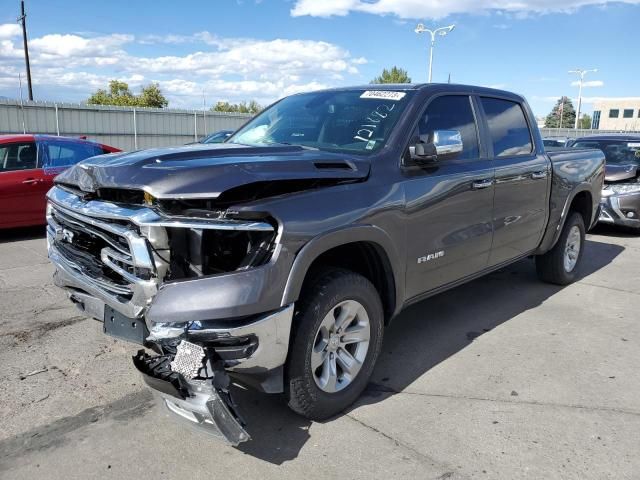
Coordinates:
<point>328,289</point>
<point>550,266</point>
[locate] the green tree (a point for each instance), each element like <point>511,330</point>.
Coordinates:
<point>585,121</point>
<point>395,75</point>
<point>242,107</point>
<point>151,96</point>
<point>119,94</point>
<point>563,110</point>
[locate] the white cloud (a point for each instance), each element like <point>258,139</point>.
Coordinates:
<point>9,50</point>
<point>234,69</point>
<point>250,58</point>
<point>414,9</point>
<point>590,83</point>
<point>66,46</point>
<point>9,30</point>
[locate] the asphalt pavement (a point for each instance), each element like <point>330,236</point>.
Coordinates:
<point>502,378</point>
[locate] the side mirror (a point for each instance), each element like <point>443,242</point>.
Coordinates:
<point>423,152</point>
<point>440,142</point>
<point>447,141</point>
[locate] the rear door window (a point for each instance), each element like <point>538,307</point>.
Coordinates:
<point>18,156</point>
<point>510,134</point>
<point>64,154</point>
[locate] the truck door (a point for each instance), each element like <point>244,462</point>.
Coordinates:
<point>448,202</point>
<point>522,176</point>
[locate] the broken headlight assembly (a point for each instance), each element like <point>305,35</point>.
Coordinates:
<point>199,252</point>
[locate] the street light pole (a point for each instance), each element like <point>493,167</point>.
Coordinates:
<point>582,73</point>
<point>442,31</point>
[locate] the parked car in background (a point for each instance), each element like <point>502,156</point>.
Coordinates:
<point>216,137</point>
<point>621,192</point>
<point>28,164</point>
<point>554,142</point>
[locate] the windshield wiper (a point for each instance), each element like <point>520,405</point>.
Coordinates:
<point>305,147</point>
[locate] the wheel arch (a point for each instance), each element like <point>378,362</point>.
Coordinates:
<point>365,249</point>
<point>580,200</point>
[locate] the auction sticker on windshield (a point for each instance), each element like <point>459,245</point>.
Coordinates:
<point>383,95</point>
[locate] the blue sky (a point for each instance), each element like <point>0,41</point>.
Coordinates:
<point>247,49</point>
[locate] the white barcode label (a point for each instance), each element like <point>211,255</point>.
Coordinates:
<point>383,95</point>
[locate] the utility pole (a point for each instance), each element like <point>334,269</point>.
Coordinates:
<point>22,19</point>
<point>582,73</point>
<point>442,31</point>
<point>561,110</point>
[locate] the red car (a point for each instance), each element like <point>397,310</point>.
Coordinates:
<point>28,164</point>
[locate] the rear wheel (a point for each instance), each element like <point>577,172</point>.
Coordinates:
<point>337,337</point>
<point>560,264</point>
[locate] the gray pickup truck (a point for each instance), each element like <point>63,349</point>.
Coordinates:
<point>277,258</point>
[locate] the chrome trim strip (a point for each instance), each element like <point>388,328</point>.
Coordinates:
<point>144,216</point>
<point>137,245</point>
<point>69,217</point>
<point>615,205</point>
<point>105,256</point>
<point>71,279</point>
<point>119,257</point>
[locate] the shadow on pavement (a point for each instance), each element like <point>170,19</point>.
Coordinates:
<point>421,337</point>
<point>24,233</point>
<point>614,231</point>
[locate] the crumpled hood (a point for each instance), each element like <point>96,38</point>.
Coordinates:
<point>617,173</point>
<point>208,170</point>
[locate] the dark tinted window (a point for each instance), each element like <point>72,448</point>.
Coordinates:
<point>18,156</point>
<point>65,153</point>
<point>508,127</point>
<point>627,113</point>
<point>451,112</point>
<point>613,113</point>
<point>595,121</point>
<point>548,142</point>
<point>620,152</point>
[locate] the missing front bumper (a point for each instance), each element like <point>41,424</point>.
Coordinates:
<point>206,405</point>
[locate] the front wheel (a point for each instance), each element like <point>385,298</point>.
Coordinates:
<point>560,264</point>
<point>337,336</point>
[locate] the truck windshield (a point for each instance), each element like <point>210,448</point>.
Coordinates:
<point>616,152</point>
<point>355,121</point>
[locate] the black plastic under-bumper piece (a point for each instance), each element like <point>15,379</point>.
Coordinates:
<point>207,405</point>
<point>156,372</point>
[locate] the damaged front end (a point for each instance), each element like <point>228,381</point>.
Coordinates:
<point>194,289</point>
<point>191,373</point>
<point>195,387</point>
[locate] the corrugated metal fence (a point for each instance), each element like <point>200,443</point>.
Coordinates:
<point>573,133</point>
<point>122,127</point>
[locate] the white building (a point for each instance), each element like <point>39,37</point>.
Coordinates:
<point>616,114</point>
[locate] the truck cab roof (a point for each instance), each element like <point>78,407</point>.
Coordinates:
<point>434,88</point>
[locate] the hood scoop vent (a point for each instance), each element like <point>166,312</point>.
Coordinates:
<point>333,165</point>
